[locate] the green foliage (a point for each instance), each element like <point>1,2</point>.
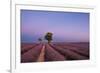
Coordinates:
<point>48,37</point>
<point>39,39</point>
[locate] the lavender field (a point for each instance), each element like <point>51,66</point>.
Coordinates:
<point>54,36</point>
<point>44,52</point>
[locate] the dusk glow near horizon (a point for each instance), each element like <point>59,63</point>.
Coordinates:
<point>65,26</point>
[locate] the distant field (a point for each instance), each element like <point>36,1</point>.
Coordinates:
<point>44,52</point>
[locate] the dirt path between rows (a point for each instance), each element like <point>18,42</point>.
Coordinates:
<point>41,56</point>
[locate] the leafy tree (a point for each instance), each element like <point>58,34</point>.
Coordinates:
<point>39,39</point>
<point>48,37</point>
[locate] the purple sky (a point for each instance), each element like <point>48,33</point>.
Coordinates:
<point>65,26</point>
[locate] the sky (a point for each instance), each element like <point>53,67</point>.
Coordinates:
<point>65,26</point>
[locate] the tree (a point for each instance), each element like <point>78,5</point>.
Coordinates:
<point>48,37</point>
<point>39,39</point>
